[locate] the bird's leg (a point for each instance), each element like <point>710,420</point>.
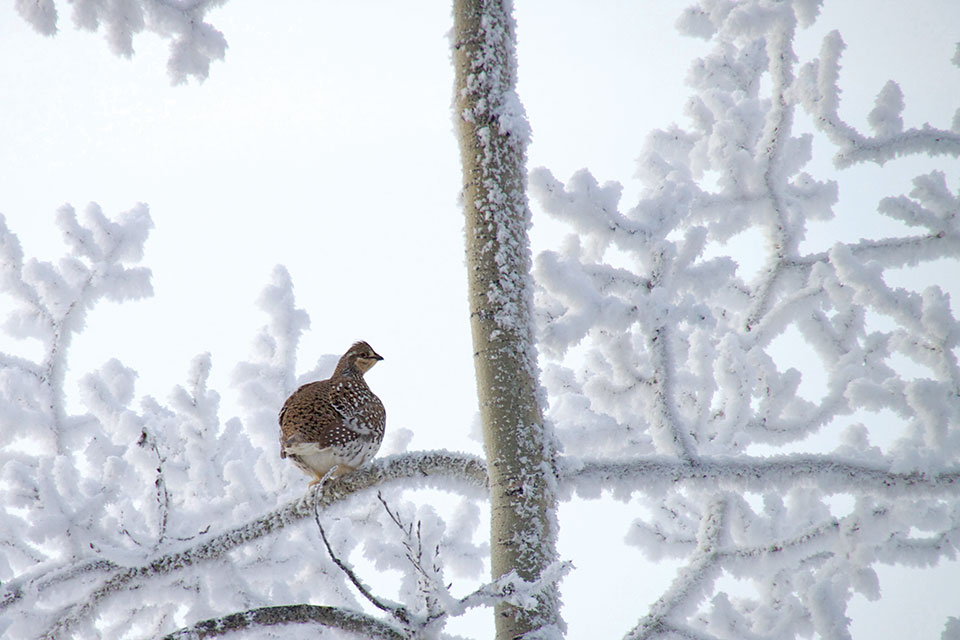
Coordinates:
<point>320,480</point>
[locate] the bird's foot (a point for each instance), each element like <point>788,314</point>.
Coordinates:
<point>318,480</point>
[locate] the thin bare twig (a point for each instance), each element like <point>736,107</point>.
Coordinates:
<point>162,496</point>
<point>398,611</point>
<point>428,582</point>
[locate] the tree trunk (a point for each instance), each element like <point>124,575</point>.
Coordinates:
<point>493,135</point>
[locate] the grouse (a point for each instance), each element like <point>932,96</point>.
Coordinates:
<point>331,427</point>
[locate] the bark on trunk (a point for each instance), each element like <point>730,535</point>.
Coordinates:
<point>493,136</point>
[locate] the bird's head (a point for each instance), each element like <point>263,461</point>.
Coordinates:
<point>360,357</point>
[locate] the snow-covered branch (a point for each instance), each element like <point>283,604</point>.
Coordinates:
<point>818,88</point>
<point>51,303</point>
<point>194,43</point>
<point>360,624</point>
<point>831,474</point>
<point>429,469</point>
<point>669,372</point>
<point>431,589</point>
<point>102,503</point>
<point>510,588</point>
<point>692,581</point>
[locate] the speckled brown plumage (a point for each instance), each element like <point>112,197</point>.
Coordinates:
<point>336,422</point>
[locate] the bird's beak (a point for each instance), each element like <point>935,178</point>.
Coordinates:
<point>377,356</point>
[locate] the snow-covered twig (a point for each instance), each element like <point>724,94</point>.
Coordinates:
<point>672,629</point>
<point>823,98</point>
<point>354,622</point>
<point>440,469</point>
<point>669,432</point>
<point>770,151</point>
<point>194,43</point>
<point>51,301</point>
<point>431,589</point>
<point>514,589</point>
<point>890,252</point>
<point>691,582</point>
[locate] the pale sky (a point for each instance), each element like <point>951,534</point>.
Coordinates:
<point>324,143</point>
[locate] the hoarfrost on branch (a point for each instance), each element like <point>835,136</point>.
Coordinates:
<point>664,375</point>
<point>659,359</point>
<point>194,43</point>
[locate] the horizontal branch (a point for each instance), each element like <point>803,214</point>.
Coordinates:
<point>435,468</point>
<point>361,624</point>
<point>929,141</point>
<point>829,473</point>
<point>890,252</point>
<point>40,580</point>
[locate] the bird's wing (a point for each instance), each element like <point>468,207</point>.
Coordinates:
<point>308,416</point>
<point>356,405</point>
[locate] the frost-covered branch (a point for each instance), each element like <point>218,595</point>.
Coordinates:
<point>668,369</point>
<point>692,581</point>
<point>42,490</point>
<point>509,587</point>
<point>821,97</point>
<point>162,496</point>
<point>748,473</point>
<point>15,589</point>
<point>433,469</point>
<point>150,492</point>
<point>50,303</point>
<point>669,432</point>
<point>194,43</point>
<point>772,167</point>
<point>360,624</point>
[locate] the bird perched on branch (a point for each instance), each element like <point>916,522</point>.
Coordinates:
<point>331,427</point>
